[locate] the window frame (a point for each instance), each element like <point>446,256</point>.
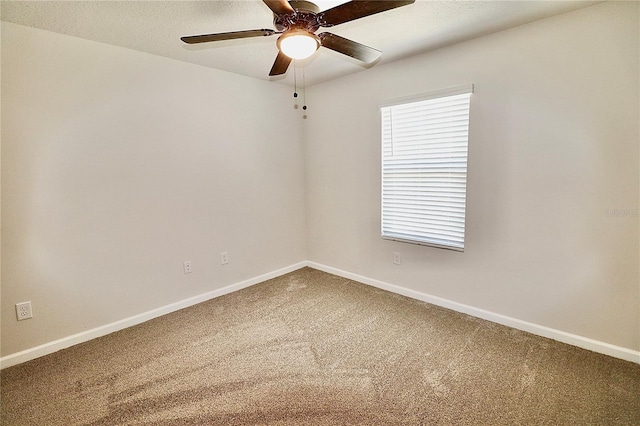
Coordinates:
<point>417,234</point>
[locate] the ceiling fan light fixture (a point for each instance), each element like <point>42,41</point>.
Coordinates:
<point>298,43</point>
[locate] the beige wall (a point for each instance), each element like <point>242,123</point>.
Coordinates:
<point>554,145</point>
<point>117,166</point>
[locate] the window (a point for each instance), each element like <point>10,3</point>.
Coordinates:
<point>424,168</point>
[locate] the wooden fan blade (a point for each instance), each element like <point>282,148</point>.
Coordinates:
<point>280,65</point>
<point>279,7</point>
<point>349,47</point>
<point>357,9</point>
<point>204,38</point>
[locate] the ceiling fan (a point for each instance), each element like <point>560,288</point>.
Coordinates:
<point>297,22</point>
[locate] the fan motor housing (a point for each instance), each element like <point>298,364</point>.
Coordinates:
<point>305,6</point>
<point>303,17</point>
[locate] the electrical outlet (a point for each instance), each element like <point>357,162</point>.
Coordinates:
<point>224,258</point>
<point>23,311</point>
<point>396,258</point>
<point>187,267</point>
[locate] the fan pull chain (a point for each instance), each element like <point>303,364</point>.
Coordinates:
<point>304,92</point>
<point>295,88</point>
<point>295,79</point>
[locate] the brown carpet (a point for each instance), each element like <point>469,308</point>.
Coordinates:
<point>310,348</point>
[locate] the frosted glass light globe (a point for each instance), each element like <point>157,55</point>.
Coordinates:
<point>298,44</point>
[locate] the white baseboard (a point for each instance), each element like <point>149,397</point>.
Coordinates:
<point>561,336</point>
<point>540,330</point>
<point>51,347</point>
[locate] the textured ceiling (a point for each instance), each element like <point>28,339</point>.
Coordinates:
<point>156,27</point>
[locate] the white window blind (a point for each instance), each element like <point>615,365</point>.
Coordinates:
<point>424,168</point>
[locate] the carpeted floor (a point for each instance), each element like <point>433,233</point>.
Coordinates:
<point>310,348</point>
